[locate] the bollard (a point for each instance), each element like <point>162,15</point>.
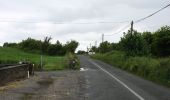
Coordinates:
<point>28,74</point>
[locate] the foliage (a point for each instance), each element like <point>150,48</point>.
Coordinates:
<point>45,44</point>
<point>13,45</point>
<point>161,42</point>
<point>30,44</point>
<point>56,49</point>
<point>72,61</point>
<point>71,46</point>
<point>104,47</point>
<point>93,49</point>
<point>148,37</point>
<point>134,44</point>
<point>44,47</point>
<point>155,44</point>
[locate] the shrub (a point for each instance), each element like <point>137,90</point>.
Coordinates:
<point>134,44</point>
<point>72,61</point>
<point>161,43</point>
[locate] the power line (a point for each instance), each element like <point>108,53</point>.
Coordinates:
<point>119,30</point>
<point>59,22</point>
<point>99,22</point>
<point>137,21</point>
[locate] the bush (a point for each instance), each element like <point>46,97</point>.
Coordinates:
<point>161,43</point>
<point>105,47</point>
<point>134,44</point>
<point>30,45</point>
<point>56,49</point>
<point>72,61</point>
<point>71,46</point>
<point>12,45</point>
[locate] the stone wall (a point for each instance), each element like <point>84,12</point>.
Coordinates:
<point>13,72</point>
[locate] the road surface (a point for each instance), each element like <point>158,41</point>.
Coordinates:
<point>95,81</point>
<point>49,85</point>
<point>109,83</point>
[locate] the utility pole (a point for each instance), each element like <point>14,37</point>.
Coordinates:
<point>102,38</point>
<point>131,29</point>
<point>131,33</point>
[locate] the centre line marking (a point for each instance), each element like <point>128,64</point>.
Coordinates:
<point>132,91</point>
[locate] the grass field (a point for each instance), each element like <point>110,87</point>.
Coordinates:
<point>11,55</point>
<point>155,69</point>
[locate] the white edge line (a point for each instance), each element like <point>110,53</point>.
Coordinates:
<point>132,91</point>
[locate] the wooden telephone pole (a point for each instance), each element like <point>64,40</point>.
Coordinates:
<point>102,38</point>
<point>131,29</point>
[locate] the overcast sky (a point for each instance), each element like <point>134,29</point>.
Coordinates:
<point>80,20</point>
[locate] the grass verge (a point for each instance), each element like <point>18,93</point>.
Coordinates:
<point>12,55</point>
<point>154,69</point>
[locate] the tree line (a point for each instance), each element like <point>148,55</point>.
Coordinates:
<point>140,43</point>
<point>45,47</point>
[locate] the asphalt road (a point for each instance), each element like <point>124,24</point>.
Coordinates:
<point>105,82</point>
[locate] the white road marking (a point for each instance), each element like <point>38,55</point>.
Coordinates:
<point>132,91</point>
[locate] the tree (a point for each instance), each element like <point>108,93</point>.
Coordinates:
<point>115,46</point>
<point>161,42</point>
<point>12,45</point>
<point>45,45</point>
<point>134,44</point>
<point>148,37</point>
<point>60,49</point>
<point>93,49</point>
<point>30,45</point>
<point>71,46</point>
<point>56,49</point>
<point>52,50</point>
<point>104,47</point>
